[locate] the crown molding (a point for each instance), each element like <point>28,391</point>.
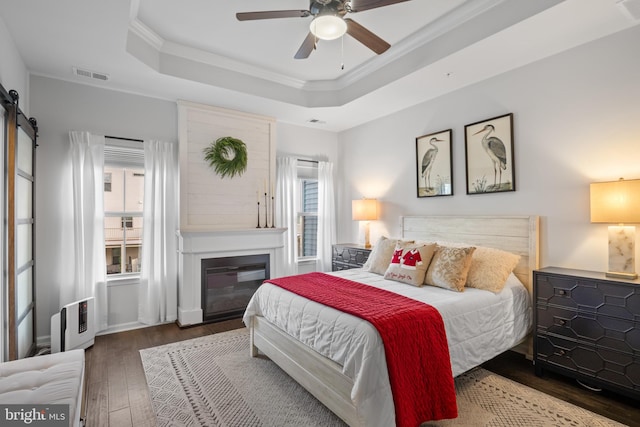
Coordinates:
<point>152,38</point>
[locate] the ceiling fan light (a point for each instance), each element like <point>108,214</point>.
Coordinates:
<point>328,27</point>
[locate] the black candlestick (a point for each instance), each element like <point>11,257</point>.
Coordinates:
<point>258,226</point>
<point>273,213</point>
<point>266,211</point>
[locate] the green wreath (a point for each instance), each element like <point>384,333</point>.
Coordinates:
<point>228,156</point>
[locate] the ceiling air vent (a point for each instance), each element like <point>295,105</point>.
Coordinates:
<point>90,74</point>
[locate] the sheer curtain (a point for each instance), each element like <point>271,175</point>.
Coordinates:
<point>158,301</point>
<point>87,171</point>
<point>326,216</point>
<point>286,207</point>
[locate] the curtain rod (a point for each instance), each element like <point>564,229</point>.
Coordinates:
<point>123,139</point>
<point>305,160</point>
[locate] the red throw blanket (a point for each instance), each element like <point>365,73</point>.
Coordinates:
<point>414,339</point>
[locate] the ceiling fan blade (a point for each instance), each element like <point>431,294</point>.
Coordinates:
<point>307,47</point>
<point>271,14</point>
<point>360,5</point>
<point>366,37</point>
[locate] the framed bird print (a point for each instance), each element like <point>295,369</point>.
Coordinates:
<point>489,155</point>
<point>434,164</point>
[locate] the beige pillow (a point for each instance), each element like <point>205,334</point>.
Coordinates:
<point>490,268</point>
<point>409,263</point>
<point>380,256</point>
<point>449,267</point>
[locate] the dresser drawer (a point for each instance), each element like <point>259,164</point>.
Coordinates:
<point>587,326</point>
<point>604,298</point>
<point>337,266</point>
<point>346,256</point>
<point>556,290</point>
<point>602,331</point>
<point>620,369</point>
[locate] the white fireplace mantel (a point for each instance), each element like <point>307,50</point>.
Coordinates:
<point>195,245</point>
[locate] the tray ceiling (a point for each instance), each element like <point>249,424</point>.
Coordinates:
<point>196,50</point>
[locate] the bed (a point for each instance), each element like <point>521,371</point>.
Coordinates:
<point>313,343</point>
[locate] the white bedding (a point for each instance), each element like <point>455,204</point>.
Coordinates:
<point>479,326</point>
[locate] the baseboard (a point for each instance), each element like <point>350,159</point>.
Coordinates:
<point>190,317</point>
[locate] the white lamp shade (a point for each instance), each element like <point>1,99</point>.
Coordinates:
<point>616,202</point>
<point>328,27</point>
<point>364,210</point>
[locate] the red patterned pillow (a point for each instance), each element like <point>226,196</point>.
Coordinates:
<point>409,263</point>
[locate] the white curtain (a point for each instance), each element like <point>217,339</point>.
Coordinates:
<point>158,301</point>
<point>286,207</point>
<point>326,216</point>
<point>89,279</point>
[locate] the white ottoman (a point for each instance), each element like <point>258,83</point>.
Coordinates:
<point>49,379</point>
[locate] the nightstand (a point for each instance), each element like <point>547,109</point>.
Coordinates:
<point>348,255</point>
<point>587,326</point>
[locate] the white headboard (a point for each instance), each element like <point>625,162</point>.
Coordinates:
<point>515,234</point>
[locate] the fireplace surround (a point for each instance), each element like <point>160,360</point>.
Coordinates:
<point>194,246</point>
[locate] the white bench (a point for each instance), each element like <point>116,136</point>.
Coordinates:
<point>49,379</point>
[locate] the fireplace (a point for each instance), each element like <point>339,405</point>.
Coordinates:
<point>228,283</point>
<point>196,246</point>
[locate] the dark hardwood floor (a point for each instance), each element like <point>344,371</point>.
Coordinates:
<point>117,395</point>
<point>516,367</point>
<point>116,388</point>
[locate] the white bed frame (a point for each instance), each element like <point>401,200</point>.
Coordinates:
<point>321,376</point>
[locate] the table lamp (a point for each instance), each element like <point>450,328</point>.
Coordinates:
<point>365,210</point>
<point>618,202</point>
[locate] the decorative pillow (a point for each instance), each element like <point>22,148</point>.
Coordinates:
<point>449,267</point>
<point>490,268</point>
<point>409,263</point>
<point>380,256</point>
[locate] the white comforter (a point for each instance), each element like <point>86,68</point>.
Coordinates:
<point>479,326</point>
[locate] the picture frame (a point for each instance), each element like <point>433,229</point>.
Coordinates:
<point>434,164</point>
<point>489,148</point>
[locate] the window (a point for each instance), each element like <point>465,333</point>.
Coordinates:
<point>123,202</point>
<point>307,235</point>
<point>127,221</point>
<point>107,182</point>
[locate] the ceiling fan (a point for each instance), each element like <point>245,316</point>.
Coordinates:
<point>329,22</point>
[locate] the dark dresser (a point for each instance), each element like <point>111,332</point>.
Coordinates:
<point>587,326</point>
<point>348,255</point>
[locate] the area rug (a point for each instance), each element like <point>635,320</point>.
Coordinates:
<point>212,381</point>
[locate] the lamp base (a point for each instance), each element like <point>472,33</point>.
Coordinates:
<point>367,242</point>
<point>622,252</point>
<point>614,274</point>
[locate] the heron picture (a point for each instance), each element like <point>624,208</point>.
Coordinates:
<point>489,155</point>
<point>434,164</point>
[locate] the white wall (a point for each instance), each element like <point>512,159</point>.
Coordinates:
<point>13,71</point>
<point>576,121</point>
<point>308,143</point>
<point>62,106</point>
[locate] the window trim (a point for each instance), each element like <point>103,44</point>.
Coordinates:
<point>301,214</point>
<point>135,153</point>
